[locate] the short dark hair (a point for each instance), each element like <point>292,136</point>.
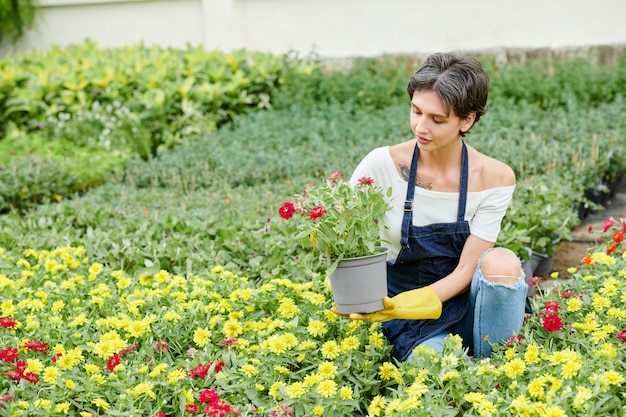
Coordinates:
<point>461,82</point>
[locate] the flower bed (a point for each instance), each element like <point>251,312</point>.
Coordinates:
<point>80,339</point>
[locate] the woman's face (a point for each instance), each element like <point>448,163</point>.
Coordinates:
<point>433,125</point>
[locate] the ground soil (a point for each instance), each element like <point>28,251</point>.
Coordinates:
<point>569,254</point>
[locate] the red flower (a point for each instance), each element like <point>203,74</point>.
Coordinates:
<point>514,340</point>
<point>160,414</point>
<point>610,249</point>
<point>283,411</point>
<point>37,345</point>
<point>608,223</point>
<point>9,355</point>
<point>229,341</point>
<point>113,362</point>
<point>535,280</point>
<point>287,210</point>
<point>8,322</point>
<point>551,306</point>
<point>587,260</point>
<point>128,349</point>
<point>191,408</point>
<point>567,294</point>
<point>317,213</point>
<point>552,323</point>
<point>618,237</point>
<point>208,396</point>
<point>366,181</point>
<point>335,178</point>
<point>200,371</point>
<point>161,346</point>
<point>622,335</point>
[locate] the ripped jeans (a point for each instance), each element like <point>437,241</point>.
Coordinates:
<point>495,313</point>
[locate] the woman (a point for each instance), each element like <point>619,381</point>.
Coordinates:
<point>444,274</point>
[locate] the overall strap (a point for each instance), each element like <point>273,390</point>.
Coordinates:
<point>407,219</point>
<point>463,191</point>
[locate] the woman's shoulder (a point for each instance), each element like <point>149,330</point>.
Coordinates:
<point>491,172</point>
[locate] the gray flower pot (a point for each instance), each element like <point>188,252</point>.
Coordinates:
<point>360,284</point>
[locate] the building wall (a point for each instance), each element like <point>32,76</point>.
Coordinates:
<point>330,28</point>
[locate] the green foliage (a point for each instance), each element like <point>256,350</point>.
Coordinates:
<point>172,93</point>
<point>15,17</point>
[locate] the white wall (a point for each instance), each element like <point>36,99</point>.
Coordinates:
<point>331,28</point>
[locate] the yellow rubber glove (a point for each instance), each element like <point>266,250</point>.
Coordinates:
<point>418,304</point>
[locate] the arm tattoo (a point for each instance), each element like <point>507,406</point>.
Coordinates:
<point>405,170</point>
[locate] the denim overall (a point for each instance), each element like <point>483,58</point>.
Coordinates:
<point>428,253</point>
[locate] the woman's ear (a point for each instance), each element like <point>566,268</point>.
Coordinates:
<point>468,122</point>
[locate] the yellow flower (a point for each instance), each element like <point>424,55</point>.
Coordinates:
<point>474,397</point>
<point>583,395</point>
<point>377,339</point>
<point>376,406</point>
<point>555,411</point>
<point>274,390</point>
<point>312,379</point>
<point>161,276</point>
<point>346,393</point>
<point>330,350</point>
<point>63,407</point>
<point>249,370</point>
<point>33,366</point>
<point>100,403</point>
<point>614,378</point>
<point>318,410</point>
<point>202,336</point>
<point>317,328</point>
<point>157,370</point>
<point>514,368</point>
<point>282,369</point>
<point>535,388</point>
<point>387,371</point>
<point>327,370</point>
<point>450,375</point>
<point>143,388</point>
<point>416,390</point>
<point>350,343</point>
<point>175,375</point>
<point>232,328</point>
<point>532,354</point>
<point>288,308</point>
<point>91,368</point>
<point>69,384</point>
<point>41,403</point>
<point>599,302</point>
<point>172,316</point>
<point>295,390</point>
<point>50,375</point>
<point>574,304</point>
<point>327,388</point>
<point>570,369</point>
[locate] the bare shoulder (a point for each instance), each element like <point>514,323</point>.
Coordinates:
<point>490,172</point>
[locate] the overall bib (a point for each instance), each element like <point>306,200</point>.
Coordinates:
<point>428,253</point>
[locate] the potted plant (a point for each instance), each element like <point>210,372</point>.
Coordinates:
<point>343,223</point>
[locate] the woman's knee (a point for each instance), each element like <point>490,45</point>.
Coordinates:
<point>501,265</point>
